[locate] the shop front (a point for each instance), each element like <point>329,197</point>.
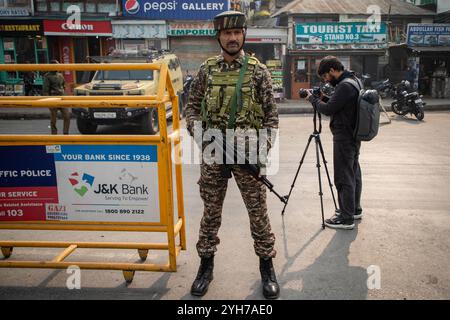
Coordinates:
<point>360,48</point>
<point>21,41</point>
<point>193,43</point>
<point>74,43</point>
<point>266,43</point>
<point>430,45</point>
<point>139,35</point>
<point>269,46</point>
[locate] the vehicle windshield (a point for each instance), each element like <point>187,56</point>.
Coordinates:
<point>124,75</point>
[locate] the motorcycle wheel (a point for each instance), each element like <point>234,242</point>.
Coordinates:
<point>396,109</point>
<point>419,114</point>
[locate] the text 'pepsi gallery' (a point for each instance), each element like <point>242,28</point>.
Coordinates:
<point>102,183</point>
<point>174,9</point>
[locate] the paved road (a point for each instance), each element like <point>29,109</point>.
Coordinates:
<point>285,107</point>
<point>405,231</point>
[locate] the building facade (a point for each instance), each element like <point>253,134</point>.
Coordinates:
<point>21,40</point>
<point>363,34</point>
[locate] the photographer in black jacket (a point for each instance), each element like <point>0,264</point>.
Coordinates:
<point>341,108</point>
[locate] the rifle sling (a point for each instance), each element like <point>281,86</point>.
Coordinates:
<point>237,95</point>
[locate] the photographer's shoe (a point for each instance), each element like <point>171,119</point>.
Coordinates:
<point>204,277</point>
<point>337,222</point>
<point>271,290</point>
<point>358,214</point>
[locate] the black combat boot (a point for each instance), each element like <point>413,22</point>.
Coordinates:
<point>204,277</point>
<point>271,290</point>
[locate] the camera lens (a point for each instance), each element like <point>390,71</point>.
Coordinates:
<point>303,93</point>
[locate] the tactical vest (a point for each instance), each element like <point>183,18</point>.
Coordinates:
<point>216,104</point>
<point>55,83</point>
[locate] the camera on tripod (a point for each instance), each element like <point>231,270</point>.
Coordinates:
<point>315,91</point>
<point>326,90</point>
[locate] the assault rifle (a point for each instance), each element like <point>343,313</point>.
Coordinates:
<point>231,153</point>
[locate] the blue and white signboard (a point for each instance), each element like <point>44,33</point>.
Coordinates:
<point>339,33</point>
<point>428,35</point>
<point>174,9</point>
<point>106,183</point>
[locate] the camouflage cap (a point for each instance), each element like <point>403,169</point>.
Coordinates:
<point>230,20</point>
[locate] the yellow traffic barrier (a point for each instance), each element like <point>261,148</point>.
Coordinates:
<point>165,222</point>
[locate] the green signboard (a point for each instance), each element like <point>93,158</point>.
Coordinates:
<point>191,29</point>
<point>340,33</point>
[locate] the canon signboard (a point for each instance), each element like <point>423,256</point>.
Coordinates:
<point>84,28</point>
<point>174,10</point>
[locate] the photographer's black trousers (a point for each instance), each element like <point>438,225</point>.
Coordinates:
<point>347,176</point>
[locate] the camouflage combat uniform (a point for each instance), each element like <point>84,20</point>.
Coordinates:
<point>213,185</point>
<point>54,86</point>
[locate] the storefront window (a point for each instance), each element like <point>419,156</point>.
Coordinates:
<point>315,79</point>
<point>8,44</point>
<point>55,6</point>
<point>42,6</point>
<point>80,46</point>
<point>90,7</point>
<point>98,6</point>
<point>24,50</point>
<point>41,43</point>
<point>67,4</point>
<point>133,44</point>
<point>357,64</point>
<point>42,56</point>
<point>9,55</point>
<point>106,7</point>
<point>345,61</point>
<point>155,44</point>
<point>301,74</point>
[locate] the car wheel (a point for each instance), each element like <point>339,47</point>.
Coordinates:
<point>181,105</point>
<point>86,127</point>
<point>149,122</point>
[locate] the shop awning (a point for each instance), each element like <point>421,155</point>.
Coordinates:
<point>431,49</point>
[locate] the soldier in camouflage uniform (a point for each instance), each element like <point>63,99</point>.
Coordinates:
<point>209,102</point>
<point>54,85</point>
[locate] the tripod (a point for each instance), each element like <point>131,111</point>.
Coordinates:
<point>316,136</point>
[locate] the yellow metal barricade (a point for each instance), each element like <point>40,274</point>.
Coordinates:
<point>167,223</point>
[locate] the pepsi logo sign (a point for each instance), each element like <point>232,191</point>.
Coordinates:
<point>132,6</point>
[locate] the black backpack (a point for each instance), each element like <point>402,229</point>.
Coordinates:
<point>368,112</point>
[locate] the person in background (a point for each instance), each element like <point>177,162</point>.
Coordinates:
<point>54,85</point>
<point>28,81</point>
<point>411,76</point>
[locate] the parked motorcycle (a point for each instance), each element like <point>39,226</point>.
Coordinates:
<point>385,88</point>
<point>407,101</point>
